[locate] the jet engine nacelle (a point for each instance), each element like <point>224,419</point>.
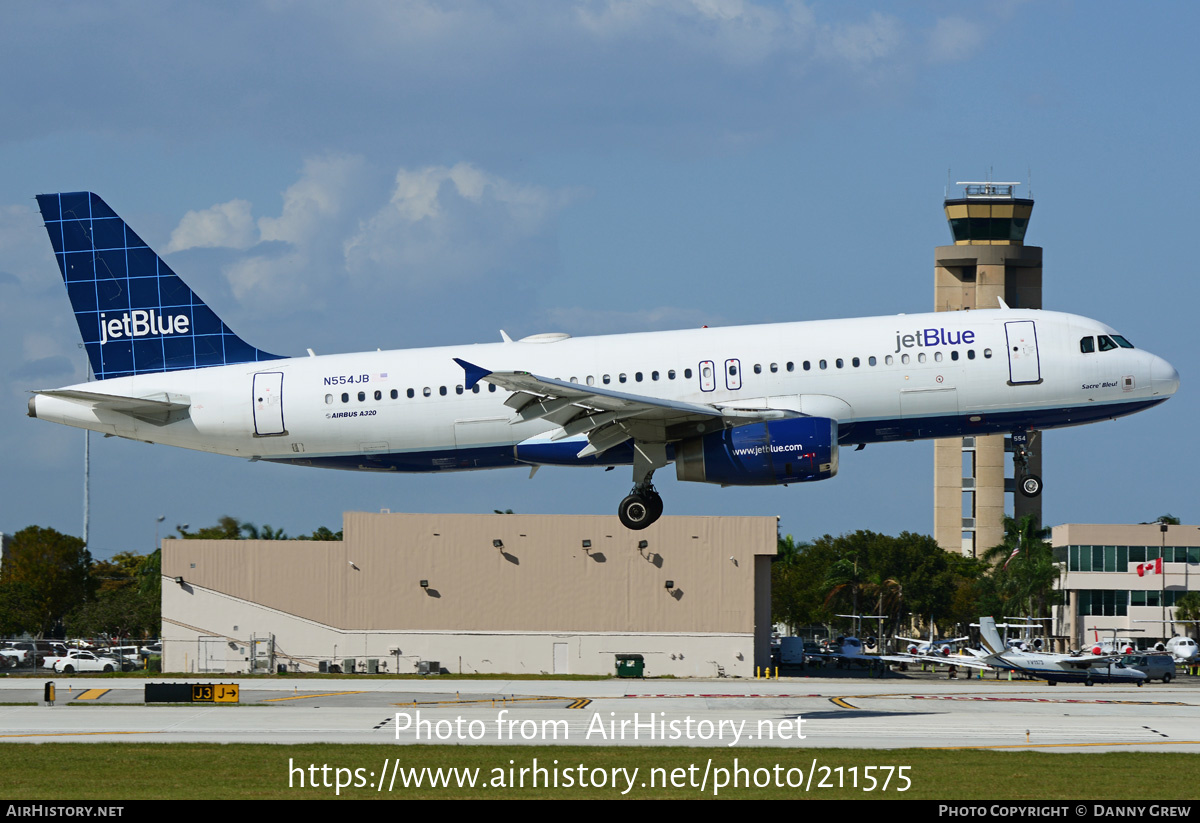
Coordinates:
<point>762,454</point>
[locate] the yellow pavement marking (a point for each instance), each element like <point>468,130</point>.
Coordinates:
<point>92,694</point>
<point>68,734</point>
<point>1069,745</point>
<point>306,696</point>
<point>581,703</point>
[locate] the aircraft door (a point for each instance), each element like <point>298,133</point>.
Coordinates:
<point>1024,365</point>
<point>733,374</point>
<point>708,375</point>
<point>268,404</point>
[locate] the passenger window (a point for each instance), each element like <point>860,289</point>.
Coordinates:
<point>606,379</point>
<point>345,397</point>
<point>823,364</point>
<point>774,368</point>
<point>1087,345</point>
<point>987,354</point>
<point>921,357</point>
<point>840,363</point>
<point>475,388</point>
<point>653,375</point>
<point>637,375</point>
<point>442,391</point>
<point>411,394</point>
<point>954,354</point>
<point>362,395</point>
<point>856,362</point>
<point>904,358</point>
<point>328,399</point>
<point>671,374</point>
<point>458,389</point>
<point>591,381</point>
<point>970,354</point>
<point>758,368</point>
<point>791,366</point>
<point>733,370</point>
<point>395,394</point>
<point>937,357</point>
<point>491,386</point>
<point>888,361</point>
<point>807,366</point>
<point>687,374</point>
<point>427,391</point>
<point>871,360</point>
<point>621,378</point>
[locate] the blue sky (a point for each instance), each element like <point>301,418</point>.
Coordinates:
<point>398,174</point>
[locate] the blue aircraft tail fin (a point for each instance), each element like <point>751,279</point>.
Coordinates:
<point>135,314</point>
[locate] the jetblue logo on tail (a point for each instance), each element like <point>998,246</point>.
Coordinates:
<point>141,323</point>
<point>136,316</point>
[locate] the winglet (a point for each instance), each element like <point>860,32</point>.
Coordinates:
<point>473,373</point>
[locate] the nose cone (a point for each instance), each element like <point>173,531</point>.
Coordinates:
<point>1163,378</point>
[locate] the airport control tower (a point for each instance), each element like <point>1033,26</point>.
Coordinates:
<point>989,260</point>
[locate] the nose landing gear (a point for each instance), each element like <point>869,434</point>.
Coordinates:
<point>1030,485</point>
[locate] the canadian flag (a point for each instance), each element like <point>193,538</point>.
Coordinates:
<point>1153,567</point>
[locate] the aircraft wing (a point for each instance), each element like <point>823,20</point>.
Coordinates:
<point>952,660</point>
<point>158,410</point>
<point>600,412</point>
<point>1090,661</point>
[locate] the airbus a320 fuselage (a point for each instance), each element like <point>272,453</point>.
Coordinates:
<point>743,405</point>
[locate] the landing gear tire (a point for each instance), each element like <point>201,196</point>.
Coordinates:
<point>655,502</point>
<point>1031,485</point>
<point>637,511</point>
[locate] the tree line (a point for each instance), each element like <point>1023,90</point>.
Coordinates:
<point>51,587</point>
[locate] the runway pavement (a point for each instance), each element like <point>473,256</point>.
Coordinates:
<point>922,711</point>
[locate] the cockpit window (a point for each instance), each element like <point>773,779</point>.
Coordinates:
<point>1106,343</point>
<point>1122,342</point>
<point>1087,345</point>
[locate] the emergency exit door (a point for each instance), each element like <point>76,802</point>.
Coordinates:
<point>1024,365</point>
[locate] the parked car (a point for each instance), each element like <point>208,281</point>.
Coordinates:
<point>1156,666</point>
<point>83,661</point>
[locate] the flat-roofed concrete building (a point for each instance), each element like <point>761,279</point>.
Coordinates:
<point>1104,589</point>
<point>477,593</point>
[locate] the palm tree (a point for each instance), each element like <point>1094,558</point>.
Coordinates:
<point>1025,580</point>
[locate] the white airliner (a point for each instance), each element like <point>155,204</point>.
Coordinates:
<point>746,405</point>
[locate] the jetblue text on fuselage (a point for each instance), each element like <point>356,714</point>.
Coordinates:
<point>139,323</point>
<point>933,337</point>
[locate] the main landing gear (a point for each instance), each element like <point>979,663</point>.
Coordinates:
<point>1030,485</point>
<point>641,508</point>
<point>643,505</point>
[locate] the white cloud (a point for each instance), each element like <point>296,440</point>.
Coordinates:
<point>225,225</point>
<point>326,188</point>
<point>953,38</point>
<point>453,223</point>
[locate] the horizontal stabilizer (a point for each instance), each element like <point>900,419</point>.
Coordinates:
<point>159,410</point>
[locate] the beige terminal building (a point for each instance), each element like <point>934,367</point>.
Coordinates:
<point>476,593</point>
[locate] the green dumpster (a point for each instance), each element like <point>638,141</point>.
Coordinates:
<point>630,665</point>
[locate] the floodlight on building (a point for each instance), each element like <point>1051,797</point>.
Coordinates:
<point>670,585</point>
<point>587,544</point>
<point>643,544</point>
<point>424,584</point>
<point>499,544</point>
<point>179,580</point>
